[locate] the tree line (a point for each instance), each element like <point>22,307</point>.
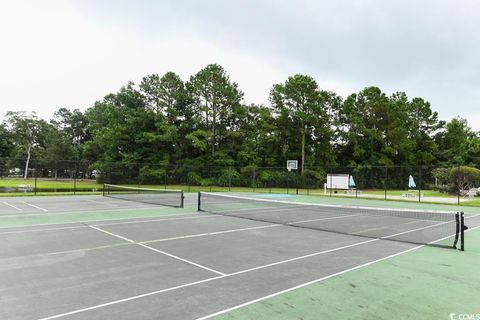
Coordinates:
<point>206,122</point>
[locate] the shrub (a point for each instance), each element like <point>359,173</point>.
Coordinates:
<point>465,178</point>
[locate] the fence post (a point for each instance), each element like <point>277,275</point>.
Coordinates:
<point>75,178</point>
<point>296,183</point>
<point>385,181</point>
<point>36,175</point>
<point>419,184</point>
<point>229,178</point>
<point>288,181</point>
<point>458,185</point>
<point>331,181</point>
<point>253,179</point>
<point>165,175</point>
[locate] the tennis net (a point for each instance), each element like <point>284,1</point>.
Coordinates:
<point>434,228</point>
<point>171,198</point>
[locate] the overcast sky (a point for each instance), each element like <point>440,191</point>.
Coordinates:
<point>71,53</point>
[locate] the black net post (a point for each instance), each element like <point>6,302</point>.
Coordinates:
<point>457,229</point>
<point>199,201</point>
<point>463,227</point>
<point>182,200</point>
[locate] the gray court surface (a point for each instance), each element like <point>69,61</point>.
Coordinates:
<point>183,266</point>
<point>45,204</point>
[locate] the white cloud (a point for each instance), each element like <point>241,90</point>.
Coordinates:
<point>71,53</point>
<point>58,57</point>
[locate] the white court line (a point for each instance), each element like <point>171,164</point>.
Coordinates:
<point>158,251</point>
<point>34,206</point>
<point>241,272</point>
<point>164,218</point>
<point>316,280</point>
<point>102,203</point>
<point>320,219</point>
<point>53,213</point>
<point>41,230</point>
<point>11,205</point>
<point>212,233</point>
<point>179,237</point>
<point>7,216</point>
<point>270,225</point>
<point>186,285</point>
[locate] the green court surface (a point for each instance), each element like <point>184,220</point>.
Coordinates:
<point>427,283</point>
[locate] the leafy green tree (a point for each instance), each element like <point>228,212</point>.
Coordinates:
<point>57,145</point>
<point>300,108</point>
<point>166,96</point>
<point>6,143</point>
<point>381,130</point>
<point>473,151</point>
<point>423,126</point>
<point>118,125</point>
<point>27,132</point>
<point>74,124</point>
<point>465,178</point>
<point>454,142</point>
<point>214,98</point>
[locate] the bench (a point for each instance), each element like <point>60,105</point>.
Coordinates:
<point>24,186</point>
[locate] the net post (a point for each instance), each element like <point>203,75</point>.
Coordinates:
<point>457,229</point>
<point>103,190</point>
<point>199,201</point>
<point>182,199</point>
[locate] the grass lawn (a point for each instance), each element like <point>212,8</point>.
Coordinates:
<point>49,183</point>
<point>426,193</point>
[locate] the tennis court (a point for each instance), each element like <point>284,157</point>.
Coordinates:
<point>94,257</point>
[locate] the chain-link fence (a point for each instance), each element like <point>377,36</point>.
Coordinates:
<point>439,184</point>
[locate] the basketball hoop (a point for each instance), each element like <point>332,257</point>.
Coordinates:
<point>292,165</point>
